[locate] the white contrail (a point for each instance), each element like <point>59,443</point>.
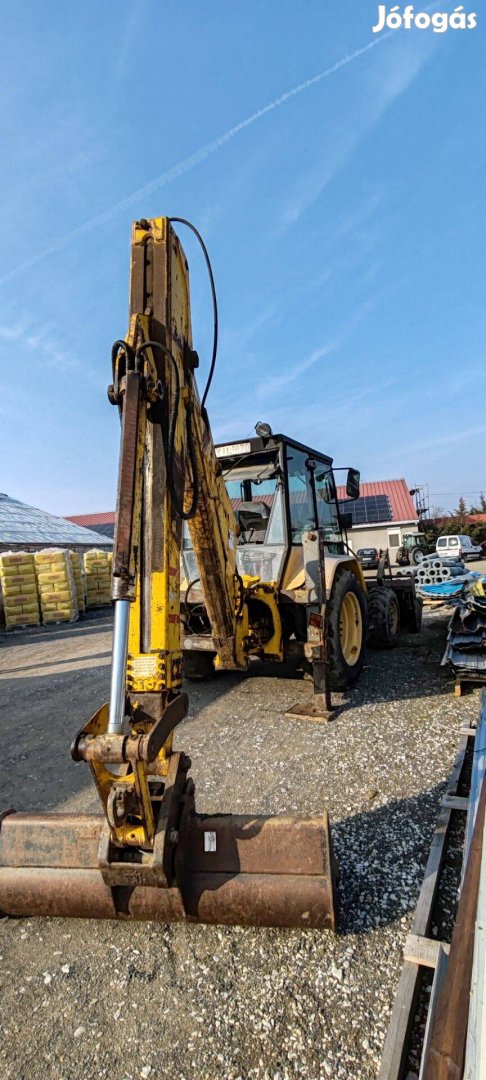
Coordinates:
<point>190,162</point>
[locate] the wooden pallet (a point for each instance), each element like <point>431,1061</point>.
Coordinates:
<point>58,622</point>
<point>422,951</point>
<point>471,680</point>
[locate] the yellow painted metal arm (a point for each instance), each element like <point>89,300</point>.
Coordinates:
<point>176,466</point>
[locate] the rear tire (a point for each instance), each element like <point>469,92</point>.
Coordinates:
<point>416,555</point>
<point>346,630</point>
<point>384,619</point>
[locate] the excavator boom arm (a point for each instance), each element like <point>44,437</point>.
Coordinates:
<point>168,471</point>
<point>150,855</point>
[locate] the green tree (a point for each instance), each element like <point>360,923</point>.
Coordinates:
<point>479,508</point>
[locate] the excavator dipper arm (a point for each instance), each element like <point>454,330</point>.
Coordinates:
<point>149,854</point>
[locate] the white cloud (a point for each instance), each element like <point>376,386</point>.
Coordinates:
<point>44,345</point>
<point>382,85</point>
<point>294,371</point>
<point>194,159</point>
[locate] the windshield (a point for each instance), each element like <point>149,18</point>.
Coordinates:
<point>256,491</point>
<point>255,488</point>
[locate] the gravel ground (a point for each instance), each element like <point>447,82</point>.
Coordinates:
<point>97,999</point>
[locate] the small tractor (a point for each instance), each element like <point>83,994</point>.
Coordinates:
<point>412,550</point>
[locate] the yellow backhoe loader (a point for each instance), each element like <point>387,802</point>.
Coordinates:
<point>256,528</point>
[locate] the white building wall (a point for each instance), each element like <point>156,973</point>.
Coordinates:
<point>385,535</point>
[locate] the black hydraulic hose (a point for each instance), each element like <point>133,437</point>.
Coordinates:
<point>186,595</point>
<point>195,581</point>
<point>118,347</point>
<point>186,515</point>
<point>183,221</point>
<point>126,349</point>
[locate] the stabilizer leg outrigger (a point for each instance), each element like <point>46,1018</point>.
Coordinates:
<point>150,855</point>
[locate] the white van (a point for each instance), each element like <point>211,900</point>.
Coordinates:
<point>461,546</point>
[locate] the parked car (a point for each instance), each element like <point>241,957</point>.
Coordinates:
<point>368,558</point>
<point>461,546</point>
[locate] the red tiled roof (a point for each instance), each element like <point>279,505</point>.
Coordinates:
<point>401,502</point>
<point>402,507</point>
<point>467,519</point>
<point>88,520</point>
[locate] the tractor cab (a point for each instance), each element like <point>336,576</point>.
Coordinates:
<point>279,489</point>
<point>410,540</point>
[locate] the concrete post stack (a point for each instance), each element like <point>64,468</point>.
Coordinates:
<point>19,588</point>
<point>57,589</point>
<point>98,578</point>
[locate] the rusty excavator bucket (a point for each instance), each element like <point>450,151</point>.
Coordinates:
<point>226,868</point>
<point>148,854</point>
<point>232,869</point>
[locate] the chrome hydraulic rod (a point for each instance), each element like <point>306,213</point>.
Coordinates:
<point>119,667</point>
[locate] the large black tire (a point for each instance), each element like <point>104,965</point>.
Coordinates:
<point>345,666</point>
<point>383,618</point>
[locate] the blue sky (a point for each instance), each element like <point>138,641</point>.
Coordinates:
<point>345,227</point>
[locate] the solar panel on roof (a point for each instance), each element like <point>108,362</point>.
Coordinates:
<point>367,509</point>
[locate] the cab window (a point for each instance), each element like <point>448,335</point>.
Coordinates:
<point>301,500</point>
<point>327,511</point>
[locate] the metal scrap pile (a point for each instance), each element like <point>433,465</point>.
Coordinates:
<point>466,639</point>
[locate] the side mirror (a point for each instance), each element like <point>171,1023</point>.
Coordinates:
<point>352,484</point>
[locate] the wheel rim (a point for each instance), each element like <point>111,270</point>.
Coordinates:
<point>419,556</point>
<point>351,629</point>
